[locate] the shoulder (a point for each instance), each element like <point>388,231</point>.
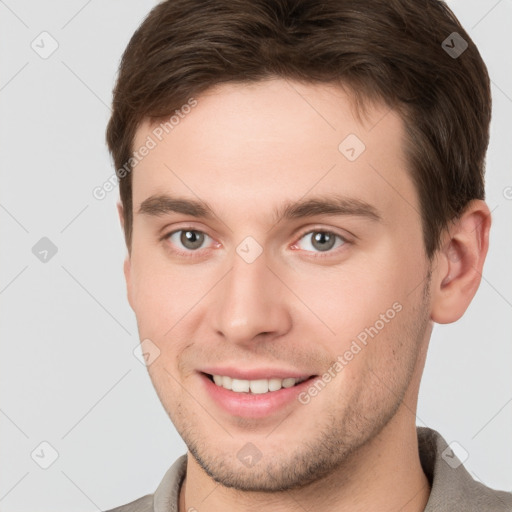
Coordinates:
<point>166,494</point>
<point>452,487</point>
<point>144,504</point>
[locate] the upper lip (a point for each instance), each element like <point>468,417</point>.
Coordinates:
<point>256,373</point>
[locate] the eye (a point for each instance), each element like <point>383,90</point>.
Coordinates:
<point>320,241</point>
<point>190,239</point>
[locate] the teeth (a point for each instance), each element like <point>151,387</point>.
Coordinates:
<point>288,383</point>
<point>259,386</point>
<point>274,384</point>
<point>240,386</point>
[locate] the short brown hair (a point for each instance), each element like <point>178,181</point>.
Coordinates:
<point>390,51</point>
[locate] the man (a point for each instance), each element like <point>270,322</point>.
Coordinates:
<point>302,197</point>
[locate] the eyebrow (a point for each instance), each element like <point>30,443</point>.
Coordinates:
<point>320,205</point>
<point>327,205</point>
<point>164,204</point>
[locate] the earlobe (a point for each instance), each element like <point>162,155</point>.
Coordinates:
<point>460,262</point>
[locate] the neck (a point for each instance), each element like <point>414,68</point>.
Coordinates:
<point>384,474</point>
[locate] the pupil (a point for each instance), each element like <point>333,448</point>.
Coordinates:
<point>326,241</point>
<point>192,239</point>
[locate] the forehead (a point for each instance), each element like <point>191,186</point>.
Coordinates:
<point>259,143</point>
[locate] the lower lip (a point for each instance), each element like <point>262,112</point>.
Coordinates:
<point>253,405</point>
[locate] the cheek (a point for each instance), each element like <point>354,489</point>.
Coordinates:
<point>367,309</point>
<point>348,299</point>
<point>162,292</point>
<point>153,295</point>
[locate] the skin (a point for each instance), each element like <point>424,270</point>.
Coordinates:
<point>245,150</point>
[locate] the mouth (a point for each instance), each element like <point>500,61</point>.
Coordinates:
<point>256,397</point>
<point>256,386</point>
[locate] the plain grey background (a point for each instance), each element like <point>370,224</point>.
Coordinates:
<point>69,376</point>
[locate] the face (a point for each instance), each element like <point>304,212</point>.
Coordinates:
<point>276,238</point>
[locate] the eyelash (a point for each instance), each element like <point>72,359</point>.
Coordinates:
<point>319,254</point>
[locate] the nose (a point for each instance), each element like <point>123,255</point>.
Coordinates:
<point>251,302</point>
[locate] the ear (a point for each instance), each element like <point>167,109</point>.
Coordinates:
<point>120,212</point>
<point>460,262</point>
<point>127,260</point>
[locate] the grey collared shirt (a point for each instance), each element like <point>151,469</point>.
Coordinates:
<point>453,488</point>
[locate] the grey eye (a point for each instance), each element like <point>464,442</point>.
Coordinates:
<point>322,241</point>
<point>188,238</point>
<point>191,239</point>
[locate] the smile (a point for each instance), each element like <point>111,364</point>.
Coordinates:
<point>258,386</point>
